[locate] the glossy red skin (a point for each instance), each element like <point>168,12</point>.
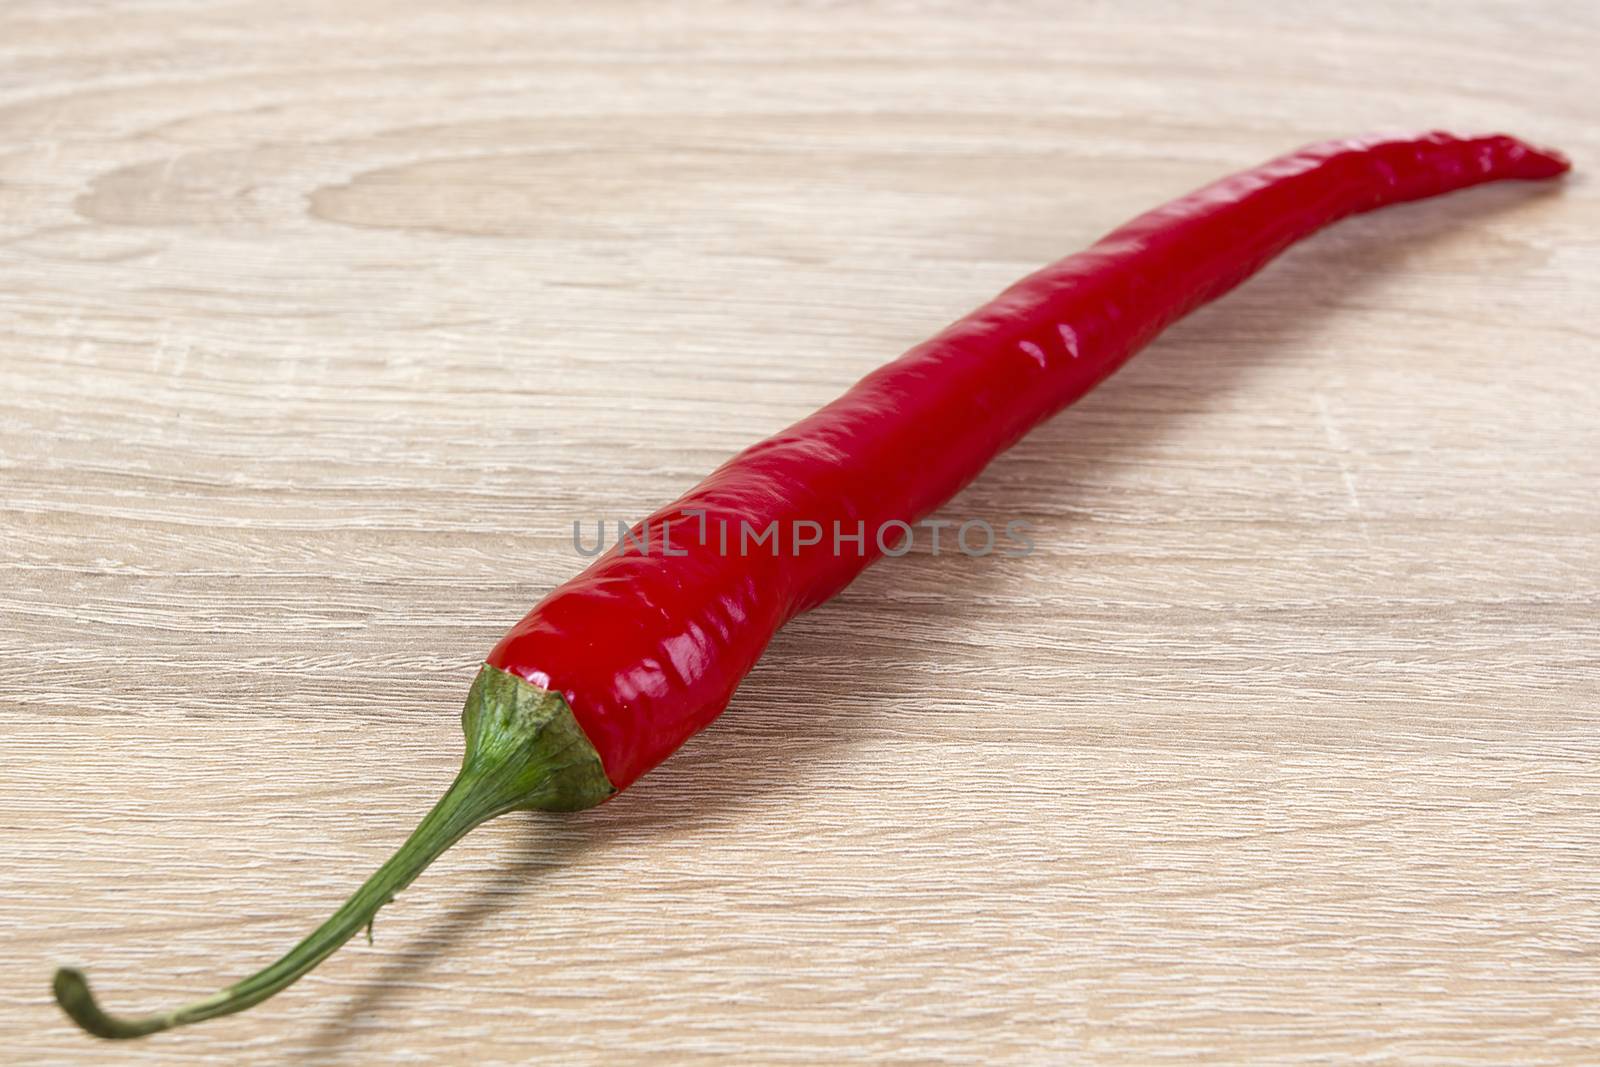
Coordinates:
<point>648,649</point>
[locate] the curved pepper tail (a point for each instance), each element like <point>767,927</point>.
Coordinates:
<point>1428,164</point>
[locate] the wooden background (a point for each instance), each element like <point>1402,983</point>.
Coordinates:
<point>321,323</point>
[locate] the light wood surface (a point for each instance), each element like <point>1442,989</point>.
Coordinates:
<point>321,323</point>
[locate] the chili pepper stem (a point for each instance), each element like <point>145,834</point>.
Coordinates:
<point>524,750</point>
<point>459,810</point>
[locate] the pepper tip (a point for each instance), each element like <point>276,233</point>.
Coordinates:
<point>1537,161</point>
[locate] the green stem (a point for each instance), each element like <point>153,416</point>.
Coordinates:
<point>524,751</point>
<point>466,804</point>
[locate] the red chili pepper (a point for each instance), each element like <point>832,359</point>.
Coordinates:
<point>614,670</point>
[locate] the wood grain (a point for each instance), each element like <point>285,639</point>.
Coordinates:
<point>319,324</point>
